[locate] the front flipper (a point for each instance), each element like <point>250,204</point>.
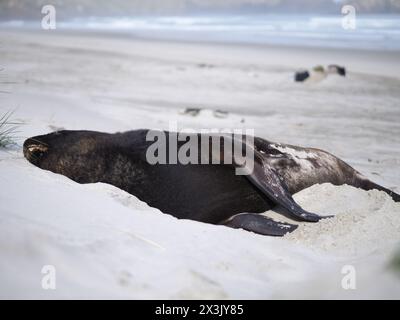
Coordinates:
<point>260,173</point>
<point>264,177</point>
<point>259,224</point>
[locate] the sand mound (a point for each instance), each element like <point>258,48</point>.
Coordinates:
<point>364,221</point>
<point>106,243</point>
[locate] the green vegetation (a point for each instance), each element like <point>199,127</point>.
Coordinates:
<point>8,130</point>
<point>394,263</point>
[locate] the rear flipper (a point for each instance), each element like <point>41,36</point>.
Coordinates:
<point>366,184</point>
<point>259,224</point>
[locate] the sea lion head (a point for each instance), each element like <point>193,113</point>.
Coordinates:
<point>79,155</point>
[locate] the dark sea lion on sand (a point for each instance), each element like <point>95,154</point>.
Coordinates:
<point>211,193</point>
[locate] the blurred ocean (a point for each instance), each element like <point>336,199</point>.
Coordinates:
<point>378,32</point>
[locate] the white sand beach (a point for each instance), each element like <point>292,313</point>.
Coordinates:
<point>105,243</point>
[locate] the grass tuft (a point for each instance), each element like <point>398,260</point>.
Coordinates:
<point>8,130</point>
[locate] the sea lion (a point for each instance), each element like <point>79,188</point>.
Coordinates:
<point>335,69</point>
<point>318,73</point>
<point>211,193</point>
<point>301,76</point>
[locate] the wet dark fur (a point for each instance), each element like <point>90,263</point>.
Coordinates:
<point>207,193</point>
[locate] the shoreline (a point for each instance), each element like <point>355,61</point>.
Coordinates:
<point>385,62</point>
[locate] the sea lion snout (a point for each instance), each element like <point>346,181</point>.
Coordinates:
<point>34,150</point>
